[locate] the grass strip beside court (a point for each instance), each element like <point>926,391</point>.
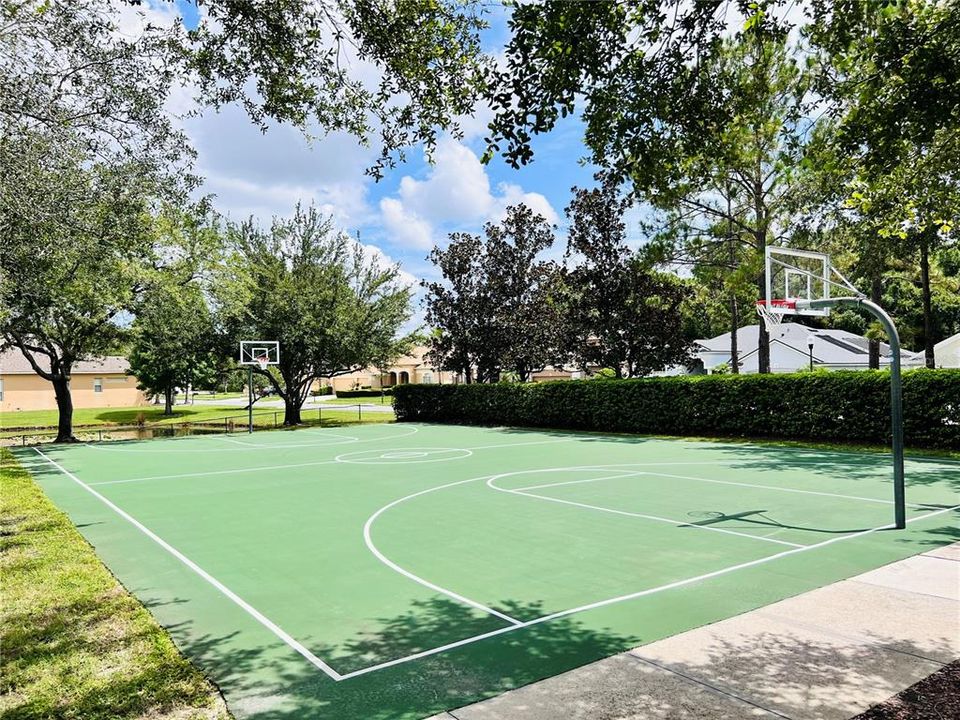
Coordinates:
<point>116,416</point>
<point>225,420</point>
<point>75,643</point>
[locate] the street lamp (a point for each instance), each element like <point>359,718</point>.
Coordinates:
<point>810,349</point>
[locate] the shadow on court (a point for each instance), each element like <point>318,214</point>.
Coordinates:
<point>266,684</point>
<point>867,466</point>
<point>938,537</point>
<point>742,454</point>
<point>762,519</point>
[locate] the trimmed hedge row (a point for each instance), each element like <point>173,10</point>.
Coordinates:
<point>852,406</point>
<point>363,393</point>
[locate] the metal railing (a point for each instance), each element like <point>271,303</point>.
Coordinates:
<point>268,420</point>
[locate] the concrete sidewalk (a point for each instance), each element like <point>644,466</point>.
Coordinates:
<point>829,653</point>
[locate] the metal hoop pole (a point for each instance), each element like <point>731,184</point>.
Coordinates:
<point>250,398</point>
<point>896,393</point>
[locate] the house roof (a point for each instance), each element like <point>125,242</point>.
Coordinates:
<point>830,347</point>
<point>947,342</point>
<point>13,362</point>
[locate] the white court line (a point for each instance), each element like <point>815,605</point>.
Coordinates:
<point>252,611</point>
<point>295,465</point>
<point>631,596</point>
<point>577,482</point>
<point>656,518</point>
<point>416,578</point>
<point>215,472</point>
<point>723,482</point>
<point>786,489</point>
<point>104,447</point>
<point>535,442</point>
<point>319,431</point>
<point>347,440</point>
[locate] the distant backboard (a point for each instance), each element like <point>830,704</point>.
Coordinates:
<point>259,352</point>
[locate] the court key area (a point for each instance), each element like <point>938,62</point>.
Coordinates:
<point>396,571</point>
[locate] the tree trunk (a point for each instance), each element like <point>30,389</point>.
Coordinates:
<point>734,326</point>
<point>168,401</point>
<point>929,360</point>
<point>734,310</point>
<point>291,411</point>
<point>876,291</point>
<point>61,388</point>
<point>763,337</point>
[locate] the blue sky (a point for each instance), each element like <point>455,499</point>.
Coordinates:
<point>414,207</point>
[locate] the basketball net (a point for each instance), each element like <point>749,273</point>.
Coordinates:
<point>262,361</point>
<point>772,318</point>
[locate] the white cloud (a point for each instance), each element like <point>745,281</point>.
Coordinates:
<point>511,194</point>
<point>457,188</point>
<point>455,195</point>
<point>403,226</point>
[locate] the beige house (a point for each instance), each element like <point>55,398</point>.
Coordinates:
<point>94,384</point>
<point>412,368</point>
<point>415,368</point>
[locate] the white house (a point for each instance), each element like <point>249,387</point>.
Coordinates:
<point>946,353</point>
<point>791,348</point>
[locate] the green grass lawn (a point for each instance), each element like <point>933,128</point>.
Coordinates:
<point>116,416</point>
<point>95,423</point>
<point>150,414</point>
<point>75,643</point>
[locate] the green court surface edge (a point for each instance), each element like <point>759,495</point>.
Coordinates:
<point>251,550</point>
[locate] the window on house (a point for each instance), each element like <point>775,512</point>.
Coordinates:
<point>427,378</point>
<point>98,385</point>
<point>1,389</point>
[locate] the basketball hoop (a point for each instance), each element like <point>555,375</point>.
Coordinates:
<point>773,312</point>
<point>257,354</point>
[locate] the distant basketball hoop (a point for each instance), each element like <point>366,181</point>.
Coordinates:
<point>261,354</point>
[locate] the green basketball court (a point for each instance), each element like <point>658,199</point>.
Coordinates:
<point>394,571</point>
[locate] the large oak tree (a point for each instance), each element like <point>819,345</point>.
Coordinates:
<point>305,284</point>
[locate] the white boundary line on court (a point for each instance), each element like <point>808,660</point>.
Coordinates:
<point>631,596</point>
<point>656,518</point>
<point>308,464</point>
<point>246,447</point>
<point>243,604</point>
<point>718,482</point>
<point>414,429</point>
<point>519,444</point>
<point>346,440</point>
<point>721,443</point>
<point>254,446</point>
<point>577,482</point>
<point>214,472</point>
<point>791,490</point>
<point>424,457</point>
